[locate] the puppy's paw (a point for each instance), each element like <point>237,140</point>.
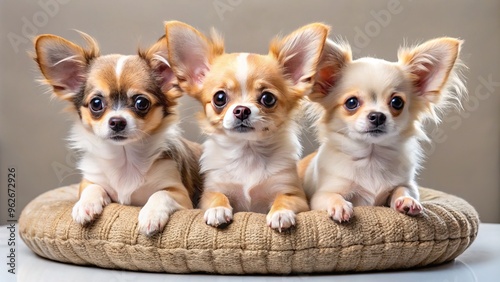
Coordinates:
<point>408,205</point>
<point>341,211</point>
<point>218,216</point>
<point>87,209</point>
<point>153,219</point>
<point>155,214</point>
<point>281,219</point>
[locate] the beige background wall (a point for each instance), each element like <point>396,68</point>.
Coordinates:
<point>463,158</point>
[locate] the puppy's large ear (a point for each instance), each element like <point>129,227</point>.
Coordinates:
<point>190,54</point>
<point>156,56</point>
<point>299,53</point>
<point>334,58</point>
<point>63,63</point>
<point>430,67</point>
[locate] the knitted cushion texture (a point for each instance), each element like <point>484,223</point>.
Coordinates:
<point>377,238</point>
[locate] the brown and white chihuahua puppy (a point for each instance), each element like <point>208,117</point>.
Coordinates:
<point>371,126</point>
<point>249,100</point>
<point>126,129</point>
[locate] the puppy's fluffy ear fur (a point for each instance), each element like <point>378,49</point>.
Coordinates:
<point>63,63</point>
<point>156,56</point>
<point>435,72</point>
<point>334,58</point>
<point>191,54</point>
<point>299,54</point>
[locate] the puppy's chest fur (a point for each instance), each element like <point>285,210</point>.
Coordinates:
<point>130,173</point>
<point>368,173</point>
<point>250,173</point>
<point>376,169</point>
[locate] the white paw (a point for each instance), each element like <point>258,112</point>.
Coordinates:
<point>281,219</point>
<point>87,209</point>
<point>218,216</point>
<point>153,219</point>
<point>341,211</point>
<point>408,205</point>
<point>155,214</point>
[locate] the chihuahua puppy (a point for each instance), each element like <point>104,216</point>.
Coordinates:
<point>371,126</point>
<point>126,129</point>
<point>249,100</point>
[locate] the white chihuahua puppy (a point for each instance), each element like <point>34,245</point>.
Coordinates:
<point>371,125</point>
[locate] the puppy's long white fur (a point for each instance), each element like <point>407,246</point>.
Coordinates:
<point>144,161</point>
<point>121,169</point>
<point>382,171</point>
<point>250,162</point>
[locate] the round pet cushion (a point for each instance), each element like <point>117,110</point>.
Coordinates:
<point>377,238</point>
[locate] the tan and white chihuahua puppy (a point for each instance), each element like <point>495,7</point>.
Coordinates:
<point>371,126</point>
<point>249,159</point>
<point>126,129</point>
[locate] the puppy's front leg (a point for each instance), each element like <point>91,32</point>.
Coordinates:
<point>218,210</point>
<point>284,208</point>
<point>92,199</point>
<point>155,214</point>
<point>404,200</point>
<point>338,208</point>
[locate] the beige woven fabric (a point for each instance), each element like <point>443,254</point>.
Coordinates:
<point>378,238</point>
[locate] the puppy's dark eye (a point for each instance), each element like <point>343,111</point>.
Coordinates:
<point>397,103</point>
<point>352,103</point>
<point>267,99</point>
<point>142,104</point>
<point>220,99</point>
<point>96,105</point>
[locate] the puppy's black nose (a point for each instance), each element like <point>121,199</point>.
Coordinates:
<point>242,112</point>
<point>117,124</point>
<point>376,118</point>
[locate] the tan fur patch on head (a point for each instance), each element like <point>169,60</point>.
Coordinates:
<point>119,81</point>
<point>284,76</point>
<point>263,74</point>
